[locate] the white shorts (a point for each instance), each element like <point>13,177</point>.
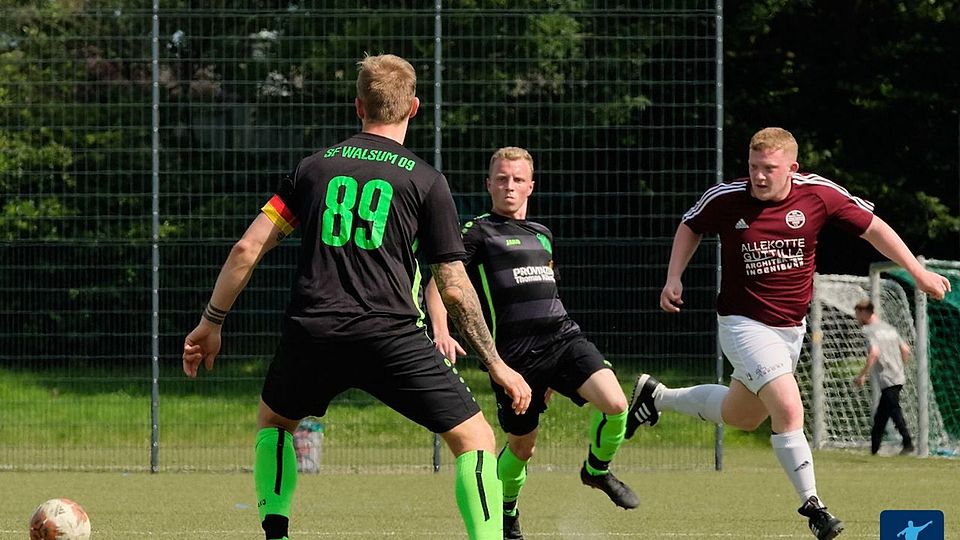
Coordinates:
<point>757,352</point>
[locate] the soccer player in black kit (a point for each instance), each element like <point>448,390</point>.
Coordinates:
<point>366,208</point>
<point>510,259</point>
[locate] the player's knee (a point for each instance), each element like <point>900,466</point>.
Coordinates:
<point>266,418</point>
<point>609,402</point>
<point>792,414</point>
<point>613,408</point>
<point>790,419</point>
<point>482,436</point>
<point>524,452</point>
<point>612,405</point>
<point>473,434</point>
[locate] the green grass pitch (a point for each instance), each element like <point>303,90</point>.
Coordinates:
<point>751,498</point>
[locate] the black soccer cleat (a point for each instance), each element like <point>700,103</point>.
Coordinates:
<point>822,523</point>
<point>619,493</point>
<point>511,527</point>
<point>642,408</point>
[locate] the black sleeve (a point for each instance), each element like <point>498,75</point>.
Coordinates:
<point>439,228</point>
<point>286,186</point>
<point>472,241</point>
<point>287,191</point>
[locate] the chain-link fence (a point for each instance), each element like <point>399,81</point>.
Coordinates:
<point>137,143</point>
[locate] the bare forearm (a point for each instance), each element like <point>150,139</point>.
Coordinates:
<point>462,304</point>
<point>233,277</point>
<point>871,360</point>
<point>888,242</point>
<point>685,243</point>
<point>261,236</point>
<point>436,309</point>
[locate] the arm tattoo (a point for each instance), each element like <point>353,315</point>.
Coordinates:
<point>463,306</point>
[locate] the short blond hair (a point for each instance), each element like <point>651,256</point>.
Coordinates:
<point>386,84</point>
<point>510,153</point>
<point>774,138</point>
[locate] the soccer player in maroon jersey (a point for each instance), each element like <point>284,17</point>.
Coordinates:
<point>768,226</point>
<point>365,207</point>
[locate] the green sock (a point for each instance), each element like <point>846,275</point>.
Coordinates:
<point>275,476</point>
<point>480,495</point>
<point>606,435</point>
<point>513,473</point>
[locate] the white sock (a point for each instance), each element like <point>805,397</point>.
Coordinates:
<point>793,452</point>
<point>703,401</point>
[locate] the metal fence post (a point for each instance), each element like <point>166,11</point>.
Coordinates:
<point>817,366</point>
<point>155,248</point>
<point>718,21</point>
<point>923,370</point>
<point>437,157</point>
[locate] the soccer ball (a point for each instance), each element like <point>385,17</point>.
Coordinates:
<point>59,519</point>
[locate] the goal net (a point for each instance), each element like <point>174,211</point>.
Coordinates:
<point>840,414</point>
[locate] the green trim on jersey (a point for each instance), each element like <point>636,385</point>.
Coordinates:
<point>415,291</point>
<point>468,225</point>
<point>545,242</point>
<point>486,293</point>
<point>415,295</point>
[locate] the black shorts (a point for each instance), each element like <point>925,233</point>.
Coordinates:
<point>405,372</point>
<point>563,365</point>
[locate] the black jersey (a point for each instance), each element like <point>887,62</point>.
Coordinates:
<point>366,208</point>
<point>510,263</point>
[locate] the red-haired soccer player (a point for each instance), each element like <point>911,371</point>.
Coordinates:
<point>768,226</point>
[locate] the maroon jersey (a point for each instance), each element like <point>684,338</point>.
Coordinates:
<point>767,248</point>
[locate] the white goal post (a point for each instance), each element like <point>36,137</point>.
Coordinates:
<point>838,413</point>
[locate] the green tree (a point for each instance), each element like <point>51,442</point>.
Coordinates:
<point>867,89</point>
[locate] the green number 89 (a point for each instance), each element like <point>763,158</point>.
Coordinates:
<point>337,223</point>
